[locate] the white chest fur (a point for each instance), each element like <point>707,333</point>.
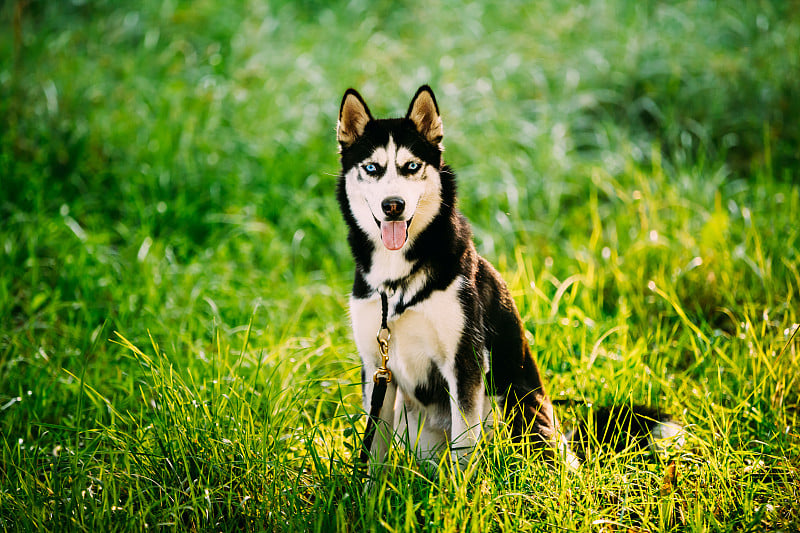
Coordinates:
<point>423,334</point>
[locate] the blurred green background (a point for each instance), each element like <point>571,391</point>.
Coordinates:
<point>167,170</point>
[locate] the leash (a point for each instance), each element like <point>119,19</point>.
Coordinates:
<point>382,377</point>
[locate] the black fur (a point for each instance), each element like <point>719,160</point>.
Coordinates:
<point>614,428</point>
<point>434,390</point>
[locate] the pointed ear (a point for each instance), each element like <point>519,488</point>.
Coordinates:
<point>353,118</point>
<point>424,113</point>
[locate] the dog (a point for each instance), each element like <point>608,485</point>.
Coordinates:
<point>458,355</point>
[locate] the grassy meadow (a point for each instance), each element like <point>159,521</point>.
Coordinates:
<point>175,351</point>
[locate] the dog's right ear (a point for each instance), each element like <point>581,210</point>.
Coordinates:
<point>353,118</point>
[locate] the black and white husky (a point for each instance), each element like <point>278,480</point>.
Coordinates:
<point>458,353</point>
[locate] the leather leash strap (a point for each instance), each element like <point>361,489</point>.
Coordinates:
<point>382,377</point>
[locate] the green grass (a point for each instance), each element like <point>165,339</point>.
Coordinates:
<point>174,345</point>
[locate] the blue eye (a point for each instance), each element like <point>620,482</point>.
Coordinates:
<point>411,167</point>
<point>372,169</point>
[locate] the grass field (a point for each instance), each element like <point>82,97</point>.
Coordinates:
<point>175,350</point>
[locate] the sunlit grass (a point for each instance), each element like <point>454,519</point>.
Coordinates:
<point>174,342</point>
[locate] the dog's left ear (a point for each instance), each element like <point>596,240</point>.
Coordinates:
<point>424,113</point>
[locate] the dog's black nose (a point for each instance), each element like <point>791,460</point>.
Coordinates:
<point>393,206</point>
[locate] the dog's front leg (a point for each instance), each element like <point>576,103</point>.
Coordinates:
<point>466,417</point>
<point>384,429</point>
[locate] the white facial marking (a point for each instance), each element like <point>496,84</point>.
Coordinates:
<point>419,188</point>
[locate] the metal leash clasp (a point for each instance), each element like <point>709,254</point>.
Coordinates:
<point>383,348</point>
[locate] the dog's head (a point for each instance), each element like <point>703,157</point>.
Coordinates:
<point>391,167</point>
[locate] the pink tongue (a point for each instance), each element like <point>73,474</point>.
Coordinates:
<point>393,234</point>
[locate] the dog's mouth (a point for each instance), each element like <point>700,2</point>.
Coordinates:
<point>394,233</point>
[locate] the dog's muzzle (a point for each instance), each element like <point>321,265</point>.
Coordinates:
<point>394,232</point>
